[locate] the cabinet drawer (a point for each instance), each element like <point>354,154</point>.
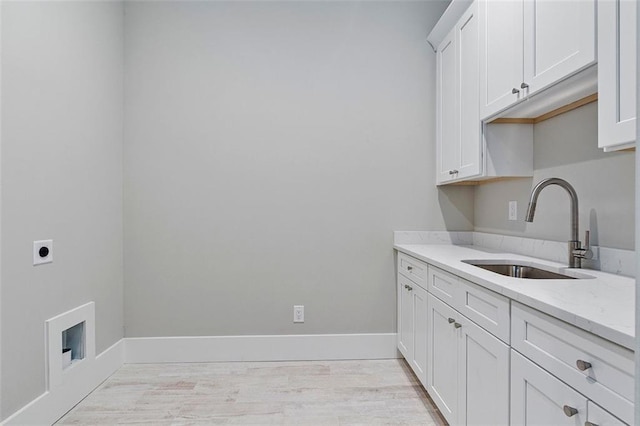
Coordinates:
<point>413,269</point>
<point>443,285</point>
<point>486,308</point>
<point>558,347</point>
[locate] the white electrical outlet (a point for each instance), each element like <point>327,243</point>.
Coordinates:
<point>298,313</point>
<point>513,210</point>
<point>42,252</point>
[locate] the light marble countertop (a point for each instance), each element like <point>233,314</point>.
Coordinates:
<point>603,305</point>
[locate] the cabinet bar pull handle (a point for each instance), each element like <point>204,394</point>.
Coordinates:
<point>451,320</point>
<point>457,325</point>
<point>583,365</point>
<point>515,91</point>
<point>569,411</point>
<point>524,85</point>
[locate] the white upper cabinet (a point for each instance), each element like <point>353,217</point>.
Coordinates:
<point>468,82</point>
<point>617,34</point>
<point>446,128</point>
<point>529,45</point>
<point>501,55</point>
<point>559,39</point>
<point>459,143</point>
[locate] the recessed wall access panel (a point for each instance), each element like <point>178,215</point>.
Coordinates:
<point>71,348</point>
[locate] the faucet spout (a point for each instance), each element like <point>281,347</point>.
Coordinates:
<point>574,243</point>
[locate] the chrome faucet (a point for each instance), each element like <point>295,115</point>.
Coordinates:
<point>576,252</point>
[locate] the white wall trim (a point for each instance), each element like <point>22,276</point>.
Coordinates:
<point>53,404</point>
<point>260,348</point>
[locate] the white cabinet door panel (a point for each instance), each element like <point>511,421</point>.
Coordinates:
<point>446,110</point>
<point>405,317</point>
<point>538,398</point>
<point>420,318</point>
<point>470,127</point>
<point>501,54</point>
<point>597,416</point>
<point>442,364</point>
<point>617,34</point>
<point>559,39</point>
<point>483,378</point>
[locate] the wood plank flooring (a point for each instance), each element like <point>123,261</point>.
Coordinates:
<point>260,393</point>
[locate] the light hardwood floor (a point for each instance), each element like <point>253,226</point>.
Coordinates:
<point>257,393</point>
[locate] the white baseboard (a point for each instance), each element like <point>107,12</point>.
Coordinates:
<point>260,348</point>
<point>53,404</point>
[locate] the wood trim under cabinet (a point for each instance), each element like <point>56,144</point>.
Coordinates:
<point>488,180</point>
<point>569,107</point>
<point>507,120</point>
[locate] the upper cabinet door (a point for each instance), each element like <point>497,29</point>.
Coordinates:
<point>559,40</point>
<point>617,34</point>
<point>501,55</point>
<point>459,143</point>
<point>447,101</point>
<point>469,124</point>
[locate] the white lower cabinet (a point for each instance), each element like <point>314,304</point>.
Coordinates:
<point>483,377</point>
<point>504,363</point>
<point>468,369</point>
<point>594,367</point>
<point>405,323</point>
<point>538,398</point>
<point>442,366</point>
<point>412,326</point>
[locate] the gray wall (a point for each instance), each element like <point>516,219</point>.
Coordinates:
<point>566,146</point>
<point>61,177</point>
<point>271,148</point>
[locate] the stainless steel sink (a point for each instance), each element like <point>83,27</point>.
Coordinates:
<point>521,270</point>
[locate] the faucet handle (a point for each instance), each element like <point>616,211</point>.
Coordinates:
<point>585,252</point>
<point>586,240</point>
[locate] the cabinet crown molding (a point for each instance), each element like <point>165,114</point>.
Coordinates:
<point>447,21</point>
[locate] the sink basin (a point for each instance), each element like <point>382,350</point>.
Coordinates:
<point>523,270</point>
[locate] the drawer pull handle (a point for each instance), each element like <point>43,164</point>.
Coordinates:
<point>524,85</point>
<point>569,411</point>
<point>583,365</point>
<point>409,268</point>
<point>457,325</point>
<point>451,320</point>
<point>409,288</point>
<point>515,91</point>
<point>406,286</point>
